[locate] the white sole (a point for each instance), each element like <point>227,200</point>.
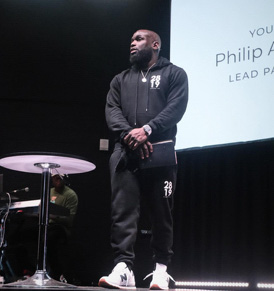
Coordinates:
<point>105,284</point>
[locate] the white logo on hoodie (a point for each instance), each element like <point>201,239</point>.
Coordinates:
<point>155,81</point>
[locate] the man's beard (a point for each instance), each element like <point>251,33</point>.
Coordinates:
<point>141,58</point>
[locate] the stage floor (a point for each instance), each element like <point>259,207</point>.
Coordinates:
<point>96,288</point>
<point>88,288</point>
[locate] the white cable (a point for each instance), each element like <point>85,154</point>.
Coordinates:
<point>3,222</point>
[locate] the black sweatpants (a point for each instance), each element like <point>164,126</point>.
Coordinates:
<point>157,185</point>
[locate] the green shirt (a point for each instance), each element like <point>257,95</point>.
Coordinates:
<point>68,199</point>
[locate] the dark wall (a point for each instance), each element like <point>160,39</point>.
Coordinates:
<point>57,58</point>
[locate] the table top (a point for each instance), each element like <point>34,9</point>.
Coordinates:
<point>26,162</point>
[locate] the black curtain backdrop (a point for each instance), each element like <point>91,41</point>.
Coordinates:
<point>224,213</point>
<point>57,58</point>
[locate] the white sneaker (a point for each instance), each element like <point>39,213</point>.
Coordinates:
<point>160,280</point>
<point>120,278</point>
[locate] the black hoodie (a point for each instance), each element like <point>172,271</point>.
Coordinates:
<point>160,102</point>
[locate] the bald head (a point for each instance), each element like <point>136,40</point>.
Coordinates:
<point>152,36</point>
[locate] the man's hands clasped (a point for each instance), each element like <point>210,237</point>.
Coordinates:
<point>136,139</point>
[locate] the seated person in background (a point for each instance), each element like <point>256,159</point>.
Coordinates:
<point>63,195</point>
<point>60,228</point>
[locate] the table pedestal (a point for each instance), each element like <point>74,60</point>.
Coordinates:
<point>41,277</point>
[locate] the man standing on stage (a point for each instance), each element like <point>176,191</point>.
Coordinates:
<point>143,106</point>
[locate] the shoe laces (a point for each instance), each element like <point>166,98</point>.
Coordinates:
<point>159,272</point>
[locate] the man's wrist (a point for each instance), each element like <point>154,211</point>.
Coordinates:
<point>147,129</point>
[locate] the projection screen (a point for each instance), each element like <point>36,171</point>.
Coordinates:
<point>227,50</point>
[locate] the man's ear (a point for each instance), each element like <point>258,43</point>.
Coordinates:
<point>156,45</point>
